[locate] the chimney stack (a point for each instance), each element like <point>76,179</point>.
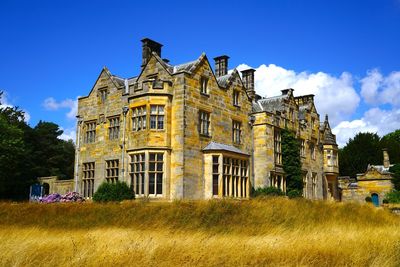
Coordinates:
<point>149,46</point>
<point>386,162</point>
<point>248,80</point>
<point>221,65</point>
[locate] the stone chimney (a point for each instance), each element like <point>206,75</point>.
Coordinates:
<point>221,65</point>
<point>386,162</point>
<point>149,46</point>
<point>248,81</point>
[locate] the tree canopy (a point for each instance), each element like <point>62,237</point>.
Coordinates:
<point>27,153</point>
<point>366,148</point>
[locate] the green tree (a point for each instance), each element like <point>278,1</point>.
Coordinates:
<point>363,149</point>
<point>292,163</point>
<point>391,142</point>
<point>51,155</point>
<point>27,153</point>
<point>395,170</point>
<point>13,182</point>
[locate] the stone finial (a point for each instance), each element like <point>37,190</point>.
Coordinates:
<point>386,161</point>
<point>149,46</point>
<point>221,65</point>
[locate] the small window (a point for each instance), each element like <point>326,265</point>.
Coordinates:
<point>204,123</point>
<point>236,95</point>
<point>236,131</point>
<point>113,128</point>
<point>302,148</point>
<point>103,95</point>
<point>112,170</point>
<point>204,85</point>
<point>157,117</point>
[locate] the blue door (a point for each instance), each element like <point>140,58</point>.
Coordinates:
<point>375,199</point>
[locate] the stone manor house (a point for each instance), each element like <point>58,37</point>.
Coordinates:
<point>189,131</point>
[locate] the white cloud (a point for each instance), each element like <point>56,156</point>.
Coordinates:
<point>334,96</point>
<point>375,120</point>
<point>68,134</point>
<point>377,89</point>
<point>51,104</point>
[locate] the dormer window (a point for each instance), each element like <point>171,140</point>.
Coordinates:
<point>236,95</point>
<point>204,85</point>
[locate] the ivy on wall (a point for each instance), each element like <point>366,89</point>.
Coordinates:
<point>291,163</point>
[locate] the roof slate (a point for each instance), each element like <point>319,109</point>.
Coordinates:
<point>213,146</point>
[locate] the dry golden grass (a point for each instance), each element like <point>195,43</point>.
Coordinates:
<point>277,232</point>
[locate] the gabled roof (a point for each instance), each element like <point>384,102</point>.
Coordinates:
<point>117,81</point>
<point>227,79</point>
<point>214,146</point>
<point>271,104</point>
<point>189,66</point>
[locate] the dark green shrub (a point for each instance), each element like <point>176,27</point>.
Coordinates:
<point>113,192</point>
<point>294,193</point>
<point>368,199</point>
<point>385,201</point>
<point>267,191</point>
<point>393,197</point>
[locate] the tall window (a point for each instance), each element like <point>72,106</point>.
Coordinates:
<point>234,177</point>
<point>90,133</point>
<point>278,147</point>
<point>204,123</point>
<point>103,94</point>
<point>236,125</point>
<point>113,128</point>
<point>314,184</point>
<point>88,179</point>
<point>137,173</point>
<point>156,172</point>
<point>236,95</point>
<point>331,157</point>
<point>112,170</point>
<point>156,117</point>
<point>215,173</point>
<point>312,151</point>
<point>302,147</point>
<point>203,85</point>
<point>139,118</point>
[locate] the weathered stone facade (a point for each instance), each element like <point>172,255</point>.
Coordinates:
<point>187,132</point>
<point>376,182</point>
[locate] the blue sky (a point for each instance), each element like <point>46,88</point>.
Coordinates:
<point>346,52</point>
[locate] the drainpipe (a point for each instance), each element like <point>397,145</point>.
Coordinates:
<point>77,150</point>
<point>124,111</point>
<point>252,121</point>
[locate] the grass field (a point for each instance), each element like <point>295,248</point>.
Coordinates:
<point>272,232</point>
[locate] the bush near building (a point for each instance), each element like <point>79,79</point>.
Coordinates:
<point>113,192</point>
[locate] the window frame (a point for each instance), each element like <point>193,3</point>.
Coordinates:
<point>139,116</point>
<point>236,98</point>
<point>88,177</point>
<point>236,132</point>
<point>204,90</point>
<point>90,132</point>
<point>204,126</point>
<point>157,115</point>
<point>112,170</point>
<point>114,127</point>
